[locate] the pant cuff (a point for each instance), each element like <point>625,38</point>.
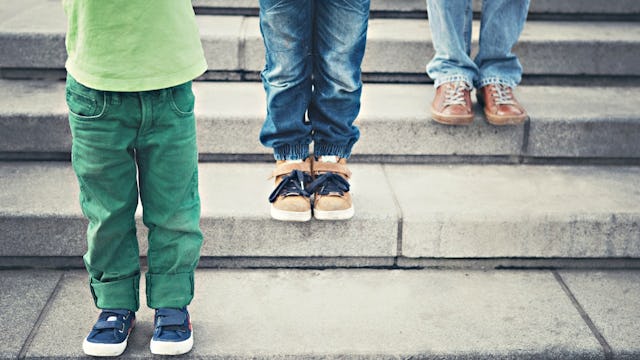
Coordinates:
<point>495,81</point>
<point>119,294</point>
<point>452,78</point>
<point>341,151</point>
<point>291,152</point>
<point>169,290</point>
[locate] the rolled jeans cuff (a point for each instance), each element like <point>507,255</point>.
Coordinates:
<point>494,81</point>
<point>119,294</point>
<point>169,290</point>
<point>291,152</point>
<point>341,151</point>
<point>453,78</point>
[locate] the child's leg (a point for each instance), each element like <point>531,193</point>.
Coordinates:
<point>339,41</point>
<point>501,26</point>
<point>104,132</point>
<point>168,170</point>
<point>286,30</point>
<point>450,23</point>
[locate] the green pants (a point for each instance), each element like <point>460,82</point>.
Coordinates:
<point>129,141</point>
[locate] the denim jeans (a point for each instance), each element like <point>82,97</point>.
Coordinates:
<point>129,141</point>
<point>501,25</point>
<point>314,49</point>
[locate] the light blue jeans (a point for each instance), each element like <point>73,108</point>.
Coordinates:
<point>501,25</point>
<point>314,49</point>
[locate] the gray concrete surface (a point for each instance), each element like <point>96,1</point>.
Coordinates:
<point>537,6</point>
<point>456,211</point>
<point>40,215</point>
<point>234,43</point>
<point>611,299</point>
<point>236,219</point>
<point>587,125</point>
<point>394,120</point>
<point>350,313</point>
<point>517,211</point>
<point>23,295</point>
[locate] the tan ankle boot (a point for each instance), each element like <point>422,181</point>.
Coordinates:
<point>289,200</point>
<point>332,200</point>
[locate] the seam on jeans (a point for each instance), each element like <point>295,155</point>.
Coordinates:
<point>93,117</point>
<point>174,106</point>
<point>495,80</point>
<point>454,78</point>
<point>273,6</point>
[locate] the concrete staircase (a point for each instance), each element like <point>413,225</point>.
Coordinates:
<point>558,199</point>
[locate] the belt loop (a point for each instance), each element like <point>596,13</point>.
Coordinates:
<point>115,98</point>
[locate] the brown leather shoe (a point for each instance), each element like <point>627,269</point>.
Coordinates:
<point>452,104</point>
<point>332,200</point>
<point>500,106</point>
<point>289,200</point>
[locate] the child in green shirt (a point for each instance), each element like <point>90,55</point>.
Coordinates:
<point>130,66</point>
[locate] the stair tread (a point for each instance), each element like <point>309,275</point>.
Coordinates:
<point>233,44</point>
<point>538,6</point>
<point>395,120</point>
<point>446,211</point>
<point>275,314</point>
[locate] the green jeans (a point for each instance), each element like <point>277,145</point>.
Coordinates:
<point>129,141</point>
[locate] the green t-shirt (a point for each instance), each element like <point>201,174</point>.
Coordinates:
<point>132,45</point>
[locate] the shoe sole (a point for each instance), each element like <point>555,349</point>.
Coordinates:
<point>283,215</point>
<point>451,120</point>
<point>97,349</point>
<point>345,214</point>
<point>171,347</point>
<point>505,120</point>
<point>497,120</point>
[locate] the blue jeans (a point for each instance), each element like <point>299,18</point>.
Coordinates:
<point>314,49</point>
<point>501,25</point>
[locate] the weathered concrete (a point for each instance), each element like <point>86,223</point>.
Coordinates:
<point>23,296</point>
<point>518,211</point>
<point>395,120</point>
<point>40,215</point>
<point>351,313</point>
<point>221,41</point>
<point>234,44</point>
<point>236,219</point>
<point>612,301</point>
<point>537,6</point>
<point>566,125</point>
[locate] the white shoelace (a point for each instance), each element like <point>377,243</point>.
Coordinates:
<point>502,95</point>
<point>455,95</point>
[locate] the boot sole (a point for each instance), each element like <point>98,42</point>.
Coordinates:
<point>97,349</point>
<point>505,120</point>
<point>171,347</point>
<point>283,215</point>
<point>451,120</point>
<point>501,120</point>
<point>345,214</point>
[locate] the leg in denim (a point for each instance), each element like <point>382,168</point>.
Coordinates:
<point>340,35</point>
<point>168,172</point>
<point>286,27</point>
<point>502,24</point>
<point>104,134</point>
<point>450,22</point>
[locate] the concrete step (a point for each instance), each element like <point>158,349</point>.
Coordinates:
<point>539,9</point>
<point>34,41</point>
<point>566,122</point>
<point>406,216</point>
<point>354,314</point>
